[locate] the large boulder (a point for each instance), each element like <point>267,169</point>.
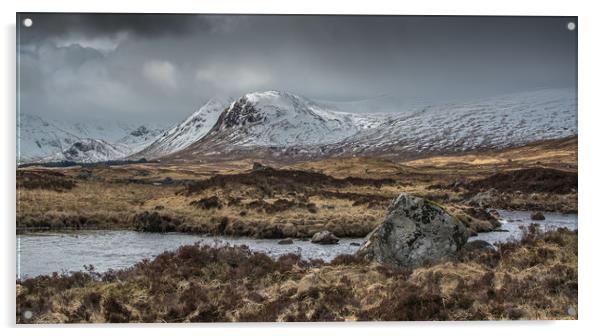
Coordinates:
<point>415,231</point>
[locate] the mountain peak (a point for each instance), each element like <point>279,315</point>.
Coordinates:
<point>290,125</point>
<point>280,119</point>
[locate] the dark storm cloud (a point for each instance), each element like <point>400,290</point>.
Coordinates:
<point>144,25</point>
<point>165,66</point>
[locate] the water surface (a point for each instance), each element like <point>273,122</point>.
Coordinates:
<point>514,221</point>
<point>44,253</point>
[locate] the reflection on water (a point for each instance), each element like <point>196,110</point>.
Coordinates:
<point>44,253</point>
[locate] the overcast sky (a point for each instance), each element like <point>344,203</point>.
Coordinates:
<point>163,67</point>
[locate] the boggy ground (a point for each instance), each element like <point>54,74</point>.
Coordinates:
<point>535,278</point>
<point>347,196</point>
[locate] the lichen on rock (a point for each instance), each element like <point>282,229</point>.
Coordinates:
<point>414,231</point>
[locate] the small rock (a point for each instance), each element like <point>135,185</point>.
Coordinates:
<point>484,199</point>
<point>481,252</point>
<point>478,245</point>
<point>258,166</point>
<point>324,237</point>
<point>537,216</point>
<point>354,244</point>
<point>286,241</point>
<point>494,213</point>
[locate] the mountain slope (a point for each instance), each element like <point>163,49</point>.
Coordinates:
<point>42,140</point>
<point>187,132</point>
<point>496,122</point>
<point>282,125</point>
<point>87,151</point>
<point>274,119</point>
<point>282,119</point>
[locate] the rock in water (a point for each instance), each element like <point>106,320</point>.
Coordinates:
<point>414,231</point>
<point>324,237</point>
<point>538,216</point>
<point>287,241</point>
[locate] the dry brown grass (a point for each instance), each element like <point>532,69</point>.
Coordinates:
<point>110,201</point>
<point>560,154</point>
<point>535,278</point>
<point>325,195</point>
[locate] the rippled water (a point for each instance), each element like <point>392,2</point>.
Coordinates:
<point>513,221</point>
<point>44,253</point>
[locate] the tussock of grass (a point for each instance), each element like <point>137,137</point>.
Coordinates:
<point>535,278</point>
<point>44,179</point>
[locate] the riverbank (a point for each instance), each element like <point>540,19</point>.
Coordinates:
<point>534,278</point>
<point>43,253</point>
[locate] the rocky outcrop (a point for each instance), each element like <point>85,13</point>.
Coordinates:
<point>415,231</point>
<point>324,237</point>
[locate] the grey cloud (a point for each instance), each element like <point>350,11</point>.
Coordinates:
<point>92,25</point>
<point>168,65</point>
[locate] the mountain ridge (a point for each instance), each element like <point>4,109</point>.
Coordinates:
<point>43,140</point>
<point>286,126</point>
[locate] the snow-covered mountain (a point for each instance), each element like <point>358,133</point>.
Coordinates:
<point>281,119</point>
<point>87,151</point>
<point>275,119</point>
<point>188,131</point>
<point>495,122</point>
<point>284,125</point>
<point>42,140</point>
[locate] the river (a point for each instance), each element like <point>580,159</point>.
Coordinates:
<point>48,252</point>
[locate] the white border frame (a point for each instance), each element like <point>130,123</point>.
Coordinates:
<point>589,107</point>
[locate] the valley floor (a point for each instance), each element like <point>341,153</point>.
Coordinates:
<point>535,278</point>
<point>347,196</point>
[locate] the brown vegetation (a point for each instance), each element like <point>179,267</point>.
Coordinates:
<point>347,196</point>
<point>282,181</point>
<point>528,180</point>
<point>44,179</point>
<point>535,278</point>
